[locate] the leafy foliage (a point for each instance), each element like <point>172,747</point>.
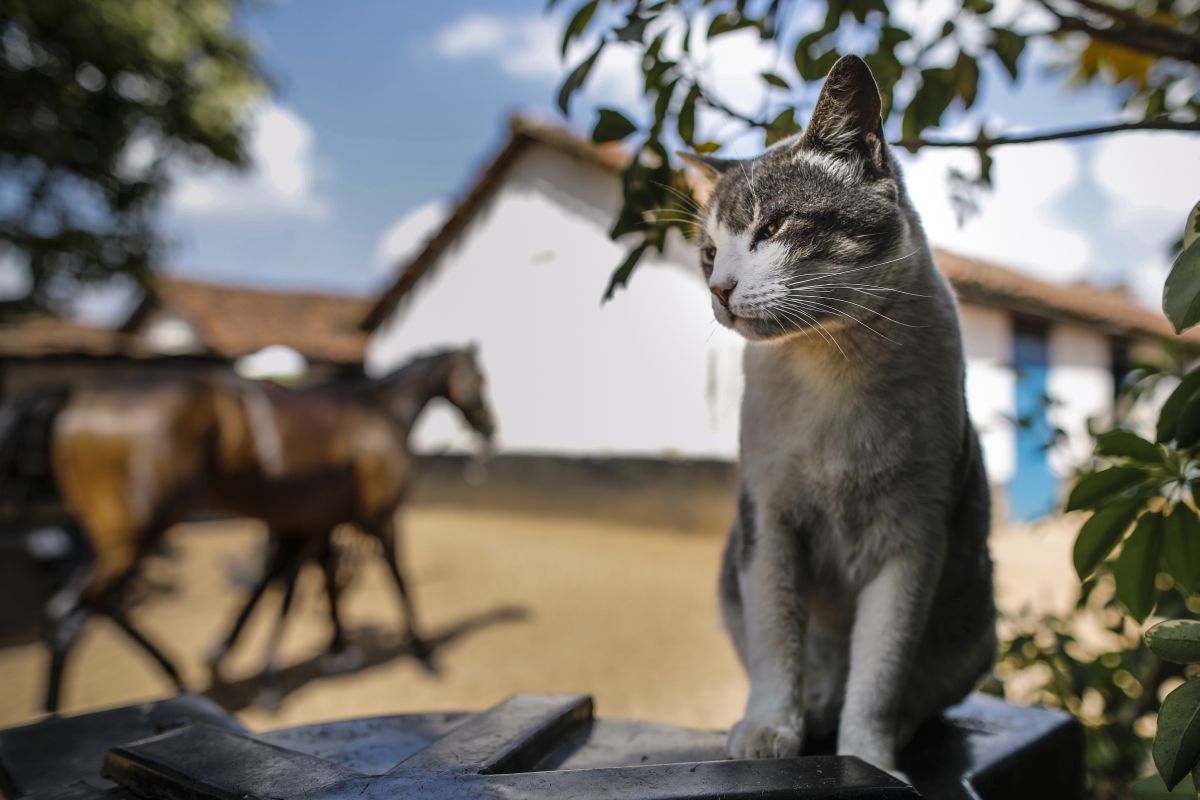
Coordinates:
<point>1146,54</point>
<point>97,97</point>
<point>1091,662</point>
<point>1151,488</point>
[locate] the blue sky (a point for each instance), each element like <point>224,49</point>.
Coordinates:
<point>383,108</point>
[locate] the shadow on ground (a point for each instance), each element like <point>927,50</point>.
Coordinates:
<point>369,647</point>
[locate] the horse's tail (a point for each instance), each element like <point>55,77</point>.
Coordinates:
<point>26,428</point>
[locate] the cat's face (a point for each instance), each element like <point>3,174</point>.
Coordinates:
<point>789,240</point>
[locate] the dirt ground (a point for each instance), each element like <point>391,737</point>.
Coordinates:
<point>518,603</point>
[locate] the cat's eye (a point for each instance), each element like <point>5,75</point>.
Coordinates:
<point>768,230</point>
<point>709,252</point>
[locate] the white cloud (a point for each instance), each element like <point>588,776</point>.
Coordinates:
<point>407,234</point>
<point>279,181</point>
<point>1150,181</point>
<point>16,279</point>
<point>1149,174</point>
<point>104,304</point>
<point>527,47</point>
<point>523,47</point>
<point>1019,224</point>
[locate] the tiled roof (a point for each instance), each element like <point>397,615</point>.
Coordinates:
<point>234,321</point>
<point>41,336</point>
<point>976,282</point>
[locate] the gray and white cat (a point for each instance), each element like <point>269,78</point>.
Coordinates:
<point>857,584</point>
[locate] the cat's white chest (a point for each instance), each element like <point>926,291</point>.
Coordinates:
<point>796,422</point>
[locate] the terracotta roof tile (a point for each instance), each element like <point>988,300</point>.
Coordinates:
<point>234,321</point>
<point>42,336</point>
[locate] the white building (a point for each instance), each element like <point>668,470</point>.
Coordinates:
<point>522,261</point>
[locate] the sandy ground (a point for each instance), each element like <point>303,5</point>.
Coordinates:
<point>520,604</point>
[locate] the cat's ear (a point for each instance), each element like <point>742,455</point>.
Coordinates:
<point>705,172</point>
<point>847,118</point>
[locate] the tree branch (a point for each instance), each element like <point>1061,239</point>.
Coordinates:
<point>988,142</point>
<point>1130,30</point>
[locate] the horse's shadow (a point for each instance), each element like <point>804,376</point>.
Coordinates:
<point>369,647</point>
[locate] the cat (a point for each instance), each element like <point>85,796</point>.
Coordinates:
<point>856,582</point>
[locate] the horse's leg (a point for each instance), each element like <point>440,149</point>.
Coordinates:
<point>292,561</point>
<point>329,566</point>
<point>386,532</point>
<point>278,554</point>
<point>66,617</point>
<point>64,633</point>
<point>272,693</point>
<point>117,615</point>
<point>341,656</point>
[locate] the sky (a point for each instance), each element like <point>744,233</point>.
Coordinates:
<point>384,112</point>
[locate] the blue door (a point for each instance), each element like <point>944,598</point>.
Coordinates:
<point>1033,491</point>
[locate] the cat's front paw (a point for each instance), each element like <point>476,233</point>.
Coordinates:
<point>766,738</point>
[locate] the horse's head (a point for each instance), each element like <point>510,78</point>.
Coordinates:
<point>465,389</point>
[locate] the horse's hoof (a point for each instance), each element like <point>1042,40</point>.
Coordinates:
<point>423,651</point>
<point>345,659</point>
<point>269,698</point>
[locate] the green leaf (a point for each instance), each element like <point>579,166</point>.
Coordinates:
<point>1176,640</point>
<point>1151,787</point>
<point>612,126</point>
<point>814,68</point>
<point>1119,443</point>
<point>620,276</point>
<point>775,80</point>
<point>1097,488</point>
<point>728,21</point>
<point>1181,548</point>
<point>966,79</point>
<point>783,126</point>
<point>578,23</point>
<point>1177,744</point>
<point>1137,566</point>
<point>687,115</point>
<point>1191,231</point>
<point>634,29</point>
<point>1168,416</point>
<point>930,101</point>
<point>1187,430</point>
<point>1181,292</point>
<point>1100,534</point>
<point>576,79</point>
<point>1008,47</point>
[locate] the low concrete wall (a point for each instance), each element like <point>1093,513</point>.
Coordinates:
<point>689,495</point>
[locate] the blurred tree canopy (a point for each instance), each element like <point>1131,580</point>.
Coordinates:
<point>1145,53</point>
<point>97,99</point>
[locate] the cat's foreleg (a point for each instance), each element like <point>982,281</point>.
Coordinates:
<point>890,617</point>
<point>775,620</point>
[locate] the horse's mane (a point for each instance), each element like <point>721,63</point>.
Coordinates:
<point>418,365</point>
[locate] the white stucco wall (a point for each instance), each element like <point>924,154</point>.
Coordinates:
<point>1080,386</point>
<point>991,386</point>
<point>166,332</point>
<point>649,373</point>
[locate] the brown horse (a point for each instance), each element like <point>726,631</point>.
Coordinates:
<point>135,457</point>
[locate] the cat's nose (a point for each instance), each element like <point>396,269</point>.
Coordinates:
<point>723,289</point>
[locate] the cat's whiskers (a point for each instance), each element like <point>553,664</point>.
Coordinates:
<point>809,278</point>
<point>810,322</point>
<point>866,308</point>
<point>862,287</point>
<point>672,213</point>
<point>813,304</point>
<point>691,201</point>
